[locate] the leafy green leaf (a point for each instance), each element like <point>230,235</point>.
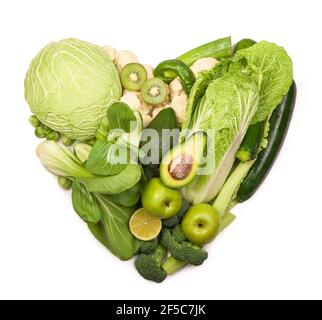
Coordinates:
<point>82,151</point>
<point>115,221</point>
<point>111,155</point>
<point>102,130</point>
<point>199,90</point>
<point>166,119</point>
<point>114,184</point>
<point>276,68</point>
<point>148,171</point>
<point>130,197</point>
<point>119,116</point>
<point>107,158</point>
<point>98,231</point>
<point>85,204</point>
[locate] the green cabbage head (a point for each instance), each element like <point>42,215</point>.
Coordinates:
<point>69,86</point>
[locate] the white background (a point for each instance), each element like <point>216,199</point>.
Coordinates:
<point>273,250</point>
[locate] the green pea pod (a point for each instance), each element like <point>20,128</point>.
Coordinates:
<point>168,70</point>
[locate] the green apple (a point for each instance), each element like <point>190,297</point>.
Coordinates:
<point>161,200</point>
<point>201,223</point>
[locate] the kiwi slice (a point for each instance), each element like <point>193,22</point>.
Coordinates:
<point>154,91</point>
<point>133,75</point>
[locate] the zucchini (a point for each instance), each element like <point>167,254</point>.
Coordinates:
<point>279,123</point>
<point>249,148</point>
<point>243,44</point>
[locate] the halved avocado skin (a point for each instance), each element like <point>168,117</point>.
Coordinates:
<point>193,146</point>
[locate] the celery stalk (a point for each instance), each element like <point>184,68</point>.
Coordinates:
<point>229,188</point>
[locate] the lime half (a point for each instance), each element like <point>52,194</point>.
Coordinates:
<point>145,226</point>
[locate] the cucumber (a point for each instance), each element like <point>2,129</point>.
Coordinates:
<point>279,123</point>
<point>249,148</point>
<point>243,44</point>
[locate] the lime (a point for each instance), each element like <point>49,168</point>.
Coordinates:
<point>145,226</point>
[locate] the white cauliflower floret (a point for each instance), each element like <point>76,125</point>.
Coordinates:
<point>179,99</point>
<point>202,65</point>
<point>156,111</point>
<point>175,87</point>
<point>145,111</point>
<point>132,99</point>
<point>179,105</point>
<point>145,108</point>
<point>149,71</point>
<point>146,119</point>
<point>123,58</point>
<point>111,52</point>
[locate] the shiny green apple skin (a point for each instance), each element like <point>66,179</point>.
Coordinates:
<point>161,200</point>
<point>201,223</point>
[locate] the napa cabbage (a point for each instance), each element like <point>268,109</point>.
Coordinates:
<point>226,100</point>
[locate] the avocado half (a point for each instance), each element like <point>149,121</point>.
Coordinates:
<point>179,165</point>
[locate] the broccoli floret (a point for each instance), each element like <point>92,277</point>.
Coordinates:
<point>167,239</point>
<point>171,222</point>
<point>149,266</point>
<point>194,254</point>
<point>178,234</point>
<point>184,251</point>
<point>148,247</point>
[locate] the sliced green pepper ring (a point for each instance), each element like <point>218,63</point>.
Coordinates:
<point>168,70</point>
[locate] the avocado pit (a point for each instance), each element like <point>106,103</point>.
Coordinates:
<point>181,166</point>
